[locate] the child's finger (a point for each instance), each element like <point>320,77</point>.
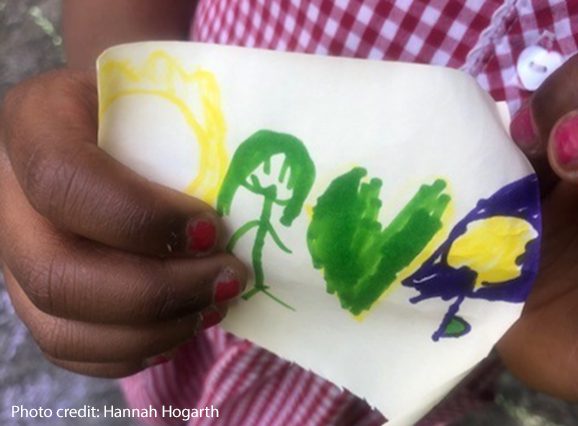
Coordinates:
<point>524,132</point>
<point>50,129</point>
<point>563,147</point>
<point>95,369</point>
<point>532,125</point>
<point>101,343</point>
<point>76,278</point>
<point>112,287</point>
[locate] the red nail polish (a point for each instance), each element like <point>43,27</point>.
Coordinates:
<point>202,235</point>
<point>523,129</point>
<point>226,290</point>
<point>566,141</point>
<point>157,360</point>
<point>210,317</point>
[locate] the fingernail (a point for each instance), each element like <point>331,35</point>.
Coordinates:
<point>201,235</point>
<point>227,286</point>
<point>157,360</point>
<point>210,317</point>
<point>523,129</point>
<point>566,141</point>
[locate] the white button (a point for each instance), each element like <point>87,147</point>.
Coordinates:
<point>535,64</point>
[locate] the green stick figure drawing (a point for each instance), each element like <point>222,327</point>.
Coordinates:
<point>297,173</point>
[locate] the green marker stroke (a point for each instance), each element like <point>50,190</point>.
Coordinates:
<point>297,174</point>
<point>360,258</point>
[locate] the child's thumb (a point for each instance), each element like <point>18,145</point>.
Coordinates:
<point>546,127</point>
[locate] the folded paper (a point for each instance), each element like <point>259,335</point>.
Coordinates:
<point>391,226</point>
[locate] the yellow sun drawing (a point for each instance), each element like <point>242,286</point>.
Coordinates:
<point>164,76</point>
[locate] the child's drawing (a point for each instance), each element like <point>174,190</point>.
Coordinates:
<point>397,219</point>
<point>490,254</point>
<point>297,173</point>
<point>360,257</point>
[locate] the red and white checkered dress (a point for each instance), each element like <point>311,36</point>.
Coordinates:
<point>249,385</point>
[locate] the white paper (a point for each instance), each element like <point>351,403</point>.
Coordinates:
<point>178,113</point>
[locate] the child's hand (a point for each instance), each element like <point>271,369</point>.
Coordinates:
<point>107,269</point>
<point>542,347</point>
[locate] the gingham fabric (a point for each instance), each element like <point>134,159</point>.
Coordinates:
<point>249,385</point>
<point>484,38</point>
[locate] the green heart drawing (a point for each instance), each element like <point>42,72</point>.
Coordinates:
<point>359,257</point>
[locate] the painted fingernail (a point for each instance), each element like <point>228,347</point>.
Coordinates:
<point>201,235</point>
<point>227,286</point>
<point>523,129</point>
<point>157,360</point>
<point>161,359</point>
<point>565,140</point>
<point>210,317</point>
